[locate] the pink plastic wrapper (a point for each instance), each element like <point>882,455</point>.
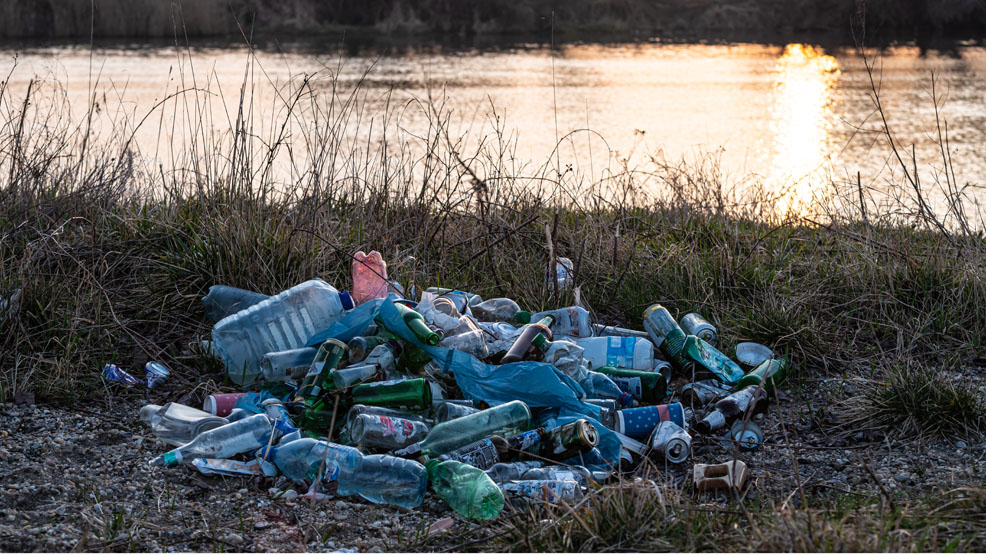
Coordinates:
<point>369,277</point>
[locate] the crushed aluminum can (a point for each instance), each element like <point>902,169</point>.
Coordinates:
<point>701,393</point>
<point>155,374</point>
<point>113,373</point>
<point>672,442</point>
<point>695,324</point>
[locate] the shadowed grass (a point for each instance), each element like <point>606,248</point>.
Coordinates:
<point>923,400</point>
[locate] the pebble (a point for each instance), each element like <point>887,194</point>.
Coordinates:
<point>232,538</point>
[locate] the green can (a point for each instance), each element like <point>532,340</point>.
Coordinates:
<point>771,373</point>
<point>646,387</point>
<point>411,394</point>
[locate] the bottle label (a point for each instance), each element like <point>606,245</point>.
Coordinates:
<point>172,458</point>
<point>384,383</point>
<point>633,386</point>
<point>481,454</point>
<point>619,351</point>
<point>529,440</point>
<point>399,428</point>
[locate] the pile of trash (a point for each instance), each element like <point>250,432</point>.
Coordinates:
<point>372,394</point>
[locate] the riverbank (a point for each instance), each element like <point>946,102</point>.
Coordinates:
<point>146,18</point>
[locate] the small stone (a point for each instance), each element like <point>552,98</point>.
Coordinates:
<point>961,444</point>
<point>261,524</point>
<point>232,538</point>
<point>290,495</point>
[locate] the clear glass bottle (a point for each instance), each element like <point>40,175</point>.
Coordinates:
<point>506,419</point>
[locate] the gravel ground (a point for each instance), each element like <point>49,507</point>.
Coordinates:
<point>78,479</point>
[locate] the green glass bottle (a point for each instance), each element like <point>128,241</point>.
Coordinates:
<point>506,420</point>
<point>646,387</point>
<point>417,325</point>
<point>667,336</point>
<point>412,394</point>
<point>712,359</point>
<point>319,380</point>
<point>467,489</point>
<point>771,373</point>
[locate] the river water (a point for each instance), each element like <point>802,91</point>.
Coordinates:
<point>775,115</point>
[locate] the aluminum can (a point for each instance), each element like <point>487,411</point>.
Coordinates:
<point>695,324</point>
<point>155,374</point>
<point>671,441</point>
<point>640,422</point>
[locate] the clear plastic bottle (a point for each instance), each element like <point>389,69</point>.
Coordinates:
<point>390,480</point>
<point>177,424</point>
<point>223,301</point>
<point>386,432</point>
<point>222,442</point>
<point>500,310</point>
<point>279,323</point>
<point>472,342</point>
<point>280,366</point>
<point>600,386</point>
<point>301,460</point>
<point>369,277</point>
<point>506,419</point>
<point>468,490</point>
<point>569,322</point>
<point>568,491</point>
<point>578,474</point>
<point>461,299</point>
<point>620,352</point>
<point>502,473</point>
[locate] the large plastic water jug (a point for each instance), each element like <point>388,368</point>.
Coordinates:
<point>282,322</point>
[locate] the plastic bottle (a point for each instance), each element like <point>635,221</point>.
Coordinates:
<point>223,301</point>
<point>770,373</point>
<point>564,271</point>
<point>468,490</point>
<point>386,432</point>
<point>506,419</point>
<point>602,330</point>
<point>280,366</point>
<point>301,460</point>
<point>461,299</point>
<point>472,342</point>
<point>500,310</point>
<point>177,424</point>
<point>386,479</point>
<point>646,387</point>
<point>526,340</point>
<point>569,322</point>
<point>578,474</point>
<point>522,491</point>
<point>504,472</point>
<point>222,442</point>
<point>732,407</point>
<point>369,277</point>
<point>620,352</point>
<point>602,387</point>
<point>279,323</point>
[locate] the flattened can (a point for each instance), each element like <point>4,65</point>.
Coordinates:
<point>695,324</point>
<point>672,442</point>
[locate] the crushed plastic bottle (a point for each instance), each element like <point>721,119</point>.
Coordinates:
<point>500,310</point>
<point>176,424</point>
<point>468,490</point>
<point>369,277</point>
<point>222,442</point>
<point>601,386</point>
<point>279,323</point>
<point>572,321</point>
<point>386,479</point>
<point>313,460</point>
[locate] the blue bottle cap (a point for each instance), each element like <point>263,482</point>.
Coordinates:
<point>347,300</point>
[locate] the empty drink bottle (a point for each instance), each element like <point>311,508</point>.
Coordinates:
<point>602,387</point>
<point>386,479</point>
<point>283,365</point>
<point>449,410</point>
<point>224,300</point>
<point>646,387</point>
<point>506,419</point>
<point>579,474</point>
<point>386,432</point>
<point>279,323</point>
<point>177,424</point>
<point>360,346</point>
<point>729,409</point>
<point>222,442</point>
<point>551,491</point>
<point>568,322</point>
<point>535,334</point>
<point>369,277</point>
<point>416,323</point>
<point>620,352</point>
<point>318,380</point>
<point>461,299</point>
<point>502,473</point>
<point>411,394</point>
<point>468,490</point>
<point>500,310</point>
<point>771,373</point>
<point>311,460</point>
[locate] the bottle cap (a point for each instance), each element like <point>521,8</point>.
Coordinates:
<point>347,300</point>
<point>523,317</point>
